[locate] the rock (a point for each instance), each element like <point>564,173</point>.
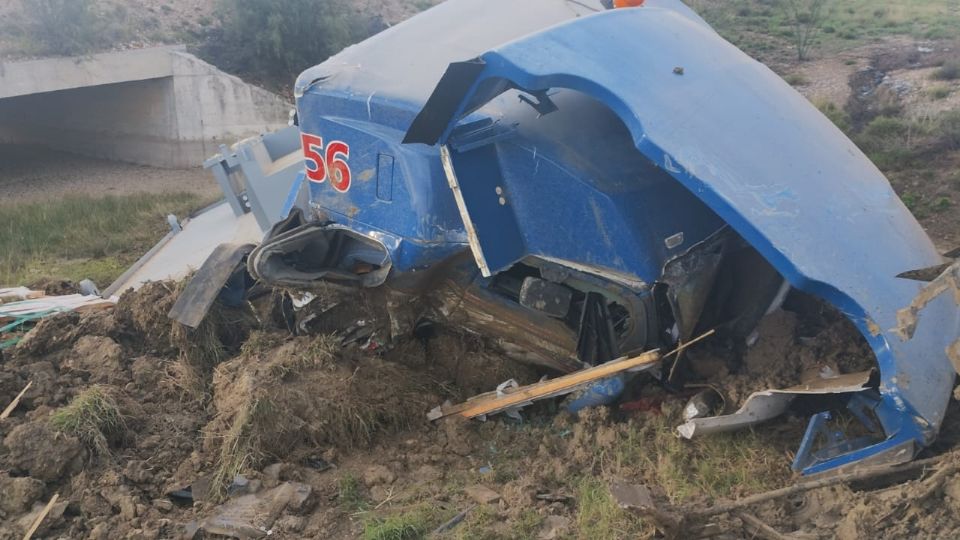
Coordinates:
<point>163,505</point>
<point>376,475</point>
<point>30,447</point>
<point>249,516</point>
<point>17,495</point>
<point>554,527</point>
<point>482,494</point>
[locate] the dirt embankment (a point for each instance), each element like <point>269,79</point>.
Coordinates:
<point>146,430</point>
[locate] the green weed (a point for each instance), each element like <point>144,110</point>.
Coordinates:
<point>350,493</point>
<point>598,515</point>
<point>411,524</point>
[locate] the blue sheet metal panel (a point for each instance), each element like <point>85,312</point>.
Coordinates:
<point>421,208</point>
<point>772,166</point>
<point>491,208</point>
<point>582,193</point>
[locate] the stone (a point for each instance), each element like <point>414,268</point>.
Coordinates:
<point>482,494</point>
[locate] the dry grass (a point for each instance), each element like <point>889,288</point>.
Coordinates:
<point>80,237</point>
<point>241,446</point>
<point>94,417</point>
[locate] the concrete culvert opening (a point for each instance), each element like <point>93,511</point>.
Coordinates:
<point>159,107</point>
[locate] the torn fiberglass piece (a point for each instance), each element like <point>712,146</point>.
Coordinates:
<point>747,145</point>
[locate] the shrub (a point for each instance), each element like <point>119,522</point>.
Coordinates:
<point>836,115</point>
<point>948,72</point>
<point>940,92</point>
<point>278,39</point>
<point>796,80</point>
<point>68,27</point>
<point>888,141</point>
<point>948,130</point>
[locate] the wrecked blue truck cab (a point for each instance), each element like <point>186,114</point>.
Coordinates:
<point>582,183</point>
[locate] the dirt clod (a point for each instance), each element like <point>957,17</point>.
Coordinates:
<point>31,450</point>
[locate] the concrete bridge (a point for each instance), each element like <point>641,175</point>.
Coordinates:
<point>160,106</point>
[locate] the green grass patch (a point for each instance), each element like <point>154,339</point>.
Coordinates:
<point>719,467</point>
<point>411,524</point>
<point>78,237</point>
<point>94,417</point>
<point>846,23</point>
<point>598,515</point>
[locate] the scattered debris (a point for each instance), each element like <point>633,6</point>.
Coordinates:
<point>762,406</point>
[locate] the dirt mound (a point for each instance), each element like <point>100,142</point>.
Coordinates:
<point>154,426</point>
<point>280,396</point>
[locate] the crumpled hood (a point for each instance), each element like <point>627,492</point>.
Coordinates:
<point>759,155</point>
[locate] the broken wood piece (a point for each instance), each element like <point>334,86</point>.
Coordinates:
<point>16,401</point>
<point>757,528</point>
<point>844,478</point>
<point>43,514</point>
<point>491,402</point>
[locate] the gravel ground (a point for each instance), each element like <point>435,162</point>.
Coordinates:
<point>30,173</point>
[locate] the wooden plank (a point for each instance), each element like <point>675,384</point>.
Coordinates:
<point>16,401</point>
<point>477,407</point>
<point>490,402</point>
<point>36,523</point>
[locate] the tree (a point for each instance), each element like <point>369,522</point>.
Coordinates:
<point>806,17</point>
<point>277,39</point>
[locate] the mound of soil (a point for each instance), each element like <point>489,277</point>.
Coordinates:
<point>326,436</point>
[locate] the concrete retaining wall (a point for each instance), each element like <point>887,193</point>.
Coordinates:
<point>112,106</point>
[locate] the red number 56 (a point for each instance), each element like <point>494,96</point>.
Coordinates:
<point>333,162</point>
